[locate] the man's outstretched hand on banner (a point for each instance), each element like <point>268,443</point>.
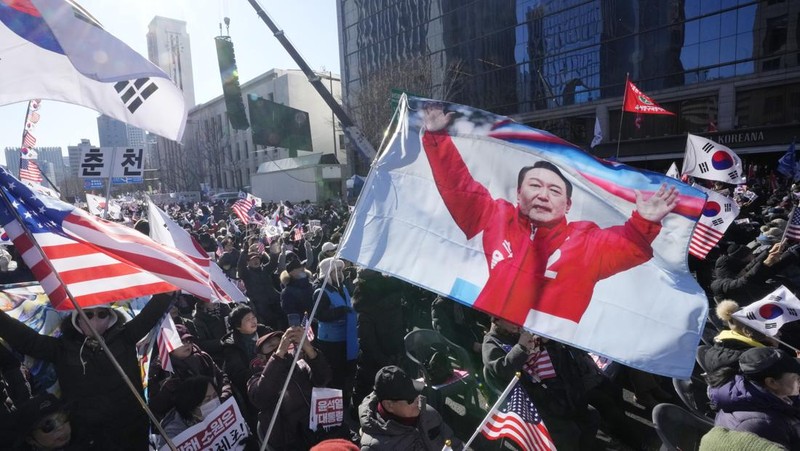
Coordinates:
<point>658,205</point>
<point>434,118</point>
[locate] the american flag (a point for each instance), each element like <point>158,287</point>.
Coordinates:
<point>245,210</point>
<point>539,365</point>
<point>719,212</point>
<point>309,331</point>
<point>519,421</point>
<point>97,261</point>
<point>29,171</point>
<point>793,228</point>
<point>168,340</point>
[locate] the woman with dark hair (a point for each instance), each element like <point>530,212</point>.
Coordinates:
<point>763,400</point>
<point>239,345</point>
<point>195,399</point>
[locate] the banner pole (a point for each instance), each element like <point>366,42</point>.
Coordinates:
<point>622,114</point>
<point>298,348</point>
<point>83,316</point>
<point>108,187</point>
<point>494,408</point>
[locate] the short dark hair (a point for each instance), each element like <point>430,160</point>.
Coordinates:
<point>237,315</point>
<point>189,394</point>
<point>544,165</point>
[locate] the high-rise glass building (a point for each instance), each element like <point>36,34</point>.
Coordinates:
<point>729,69</point>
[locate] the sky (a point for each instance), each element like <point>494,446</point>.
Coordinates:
<point>310,25</point>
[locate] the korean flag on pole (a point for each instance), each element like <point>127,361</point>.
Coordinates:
<point>55,49</point>
<point>769,314</point>
<point>719,212</point>
<point>708,160</point>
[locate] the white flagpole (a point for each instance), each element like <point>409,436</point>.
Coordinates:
<point>622,113</point>
<point>494,408</point>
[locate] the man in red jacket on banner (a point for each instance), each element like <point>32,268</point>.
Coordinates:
<point>537,260</point>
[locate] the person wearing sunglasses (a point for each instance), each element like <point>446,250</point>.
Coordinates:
<point>103,409</point>
<point>43,423</point>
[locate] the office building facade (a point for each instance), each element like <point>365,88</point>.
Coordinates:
<point>729,69</point>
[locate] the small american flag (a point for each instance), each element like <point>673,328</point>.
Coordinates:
<point>793,228</point>
<point>245,210</point>
<point>309,331</point>
<point>168,339</point>
<point>519,421</point>
<point>539,365</point>
<point>29,171</point>
<point>28,140</point>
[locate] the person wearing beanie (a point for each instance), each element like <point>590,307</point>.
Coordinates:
<point>721,360</point>
<point>335,444</point>
<point>396,416</point>
<point>297,296</point>
<point>104,410</point>
<point>763,399</point>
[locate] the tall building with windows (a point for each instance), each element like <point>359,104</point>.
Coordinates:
<point>168,47</point>
<point>114,133</point>
<point>50,161</point>
<point>729,69</point>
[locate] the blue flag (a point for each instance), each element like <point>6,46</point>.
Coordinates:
<point>787,165</point>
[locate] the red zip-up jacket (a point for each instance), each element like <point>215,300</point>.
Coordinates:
<point>550,270</point>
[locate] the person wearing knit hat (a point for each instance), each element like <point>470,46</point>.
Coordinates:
<point>335,444</point>
<point>43,423</point>
<point>763,399</point>
<point>297,294</point>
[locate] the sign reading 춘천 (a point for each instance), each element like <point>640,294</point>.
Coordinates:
<point>119,162</point>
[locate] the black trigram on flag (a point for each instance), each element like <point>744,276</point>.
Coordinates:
<point>792,311</point>
<point>751,315</point>
<point>718,221</point>
<point>733,174</point>
<point>703,167</point>
<point>133,93</point>
<point>708,147</point>
<point>770,325</point>
<point>728,207</point>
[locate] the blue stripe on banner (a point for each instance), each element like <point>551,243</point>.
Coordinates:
<point>464,291</point>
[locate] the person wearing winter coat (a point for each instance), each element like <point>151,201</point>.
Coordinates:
<point>187,360</point>
<point>395,416</point>
<point>257,277</point>
<point>239,346</point>
<point>104,410</point>
<point>551,378</point>
<point>297,297</point>
<point>290,431</point>
<point>377,301</point>
<point>721,360</point>
<point>337,333</point>
<point>762,400</point>
<point>210,327</point>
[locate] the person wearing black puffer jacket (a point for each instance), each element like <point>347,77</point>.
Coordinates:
<point>297,297</point>
<point>377,301</point>
<point>104,410</point>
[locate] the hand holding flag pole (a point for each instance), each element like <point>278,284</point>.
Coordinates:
<point>6,203</point>
<point>494,408</point>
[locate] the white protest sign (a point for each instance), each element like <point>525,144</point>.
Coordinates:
<point>327,408</point>
<point>223,430</point>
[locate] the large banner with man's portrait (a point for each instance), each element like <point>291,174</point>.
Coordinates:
<point>523,225</point>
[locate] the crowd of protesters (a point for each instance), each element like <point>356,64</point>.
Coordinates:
<point>245,351</point>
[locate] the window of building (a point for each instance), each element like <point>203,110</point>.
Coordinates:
<point>768,106</point>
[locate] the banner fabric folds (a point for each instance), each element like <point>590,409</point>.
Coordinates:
<point>588,252</point>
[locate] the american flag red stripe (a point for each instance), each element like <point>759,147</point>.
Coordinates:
<point>29,171</point>
<point>243,208</point>
<point>703,240</point>
<point>519,421</point>
<point>98,261</point>
<point>168,339</point>
<point>28,140</point>
<point>793,228</point>
<point>539,365</point>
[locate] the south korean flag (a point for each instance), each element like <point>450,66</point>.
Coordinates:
<point>708,160</point>
<point>719,213</point>
<point>769,314</point>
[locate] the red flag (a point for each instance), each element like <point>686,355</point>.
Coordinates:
<point>637,102</point>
